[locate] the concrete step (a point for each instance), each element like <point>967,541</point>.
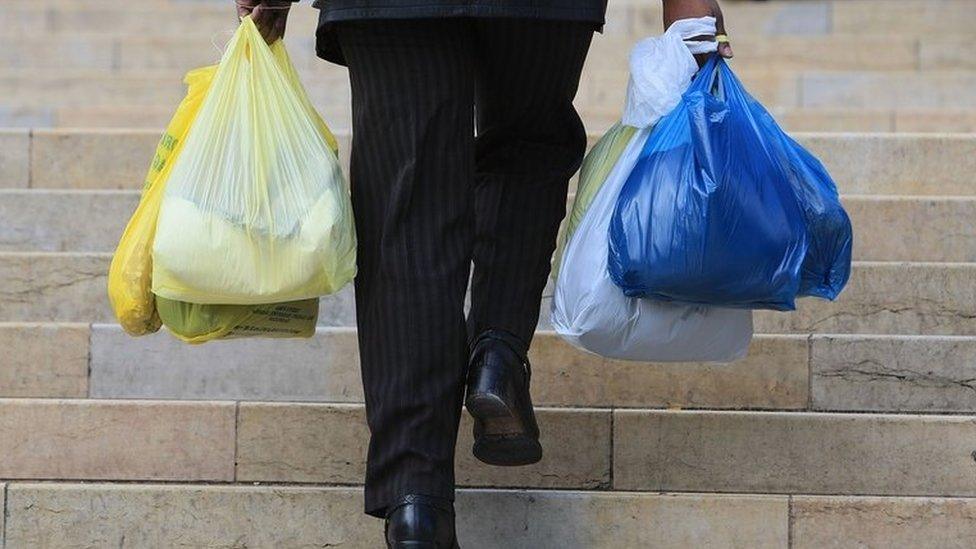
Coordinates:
<point>835,52</point>
<point>887,90</point>
<point>118,440</point>
<point>78,361</point>
<point>831,521</point>
<point>327,86</point>
<point>788,18</point>
<point>599,119</point>
<point>882,298</point>
<point>864,164</point>
<point>64,514</point>
<point>143,515</point>
<point>88,159</point>
<point>596,119</point>
<point>194,441</point>
<point>649,450</point>
<point>900,228</point>
<point>868,120</point>
<point>601,89</point>
<point>42,93</point>
<point>50,220</point>
<point>778,452</point>
<point>937,89</point>
<point>139,52</point>
<point>142,19</point>
<point>44,360</point>
<point>887,228</point>
<point>938,17</point>
<point>892,373</point>
<point>888,298</point>
<point>822,372</point>
<point>630,18</point>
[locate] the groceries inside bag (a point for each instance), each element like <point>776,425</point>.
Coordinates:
<point>138,310</point>
<point>255,209</point>
<point>588,309</point>
<point>722,208</point>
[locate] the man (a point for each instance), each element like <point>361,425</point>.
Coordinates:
<point>430,199</point>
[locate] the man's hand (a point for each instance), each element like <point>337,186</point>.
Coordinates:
<point>686,9</point>
<point>270,16</point>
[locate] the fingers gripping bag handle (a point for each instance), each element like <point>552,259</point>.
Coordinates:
<point>257,209</point>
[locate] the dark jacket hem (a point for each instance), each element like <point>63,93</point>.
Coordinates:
<point>327,46</point>
<point>562,13</point>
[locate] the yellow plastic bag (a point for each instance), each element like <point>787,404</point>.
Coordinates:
<point>129,277</point>
<point>137,309</point>
<point>256,209</point>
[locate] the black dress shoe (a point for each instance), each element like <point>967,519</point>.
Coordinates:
<point>421,522</point>
<point>505,430</point>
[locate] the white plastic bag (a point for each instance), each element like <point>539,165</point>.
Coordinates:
<point>590,311</point>
<point>661,68</point>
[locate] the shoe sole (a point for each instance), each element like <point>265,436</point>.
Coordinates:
<point>503,440</point>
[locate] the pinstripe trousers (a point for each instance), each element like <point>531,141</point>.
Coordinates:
<point>431,199</point>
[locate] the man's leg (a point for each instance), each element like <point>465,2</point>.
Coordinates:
<point>530,142</point>
<point>411,176</point>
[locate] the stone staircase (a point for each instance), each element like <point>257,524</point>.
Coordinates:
<point>850,424</point>
<point>842,65</point>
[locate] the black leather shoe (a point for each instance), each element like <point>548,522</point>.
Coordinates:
<point>421,522</point>
<point>505,430</point>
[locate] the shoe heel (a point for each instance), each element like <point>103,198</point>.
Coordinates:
<point>486,406</point>
<point>489,382</point>
<point>494,414</point>
<point>503,438</point>
<point>505,431</point>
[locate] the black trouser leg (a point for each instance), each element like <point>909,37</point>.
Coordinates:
<point>411,176</point>
<point>530,142</point>
<point>413,189</point>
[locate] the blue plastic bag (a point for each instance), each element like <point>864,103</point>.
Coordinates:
<point>827,265</point>
<point>723,208</point>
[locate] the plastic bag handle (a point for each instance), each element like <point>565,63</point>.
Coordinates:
<point>693,28</point>
<point>717,85</point>
<point>708,75</point>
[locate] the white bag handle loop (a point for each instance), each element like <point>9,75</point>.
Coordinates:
<point>661,68</point>
<point>692,28</point>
